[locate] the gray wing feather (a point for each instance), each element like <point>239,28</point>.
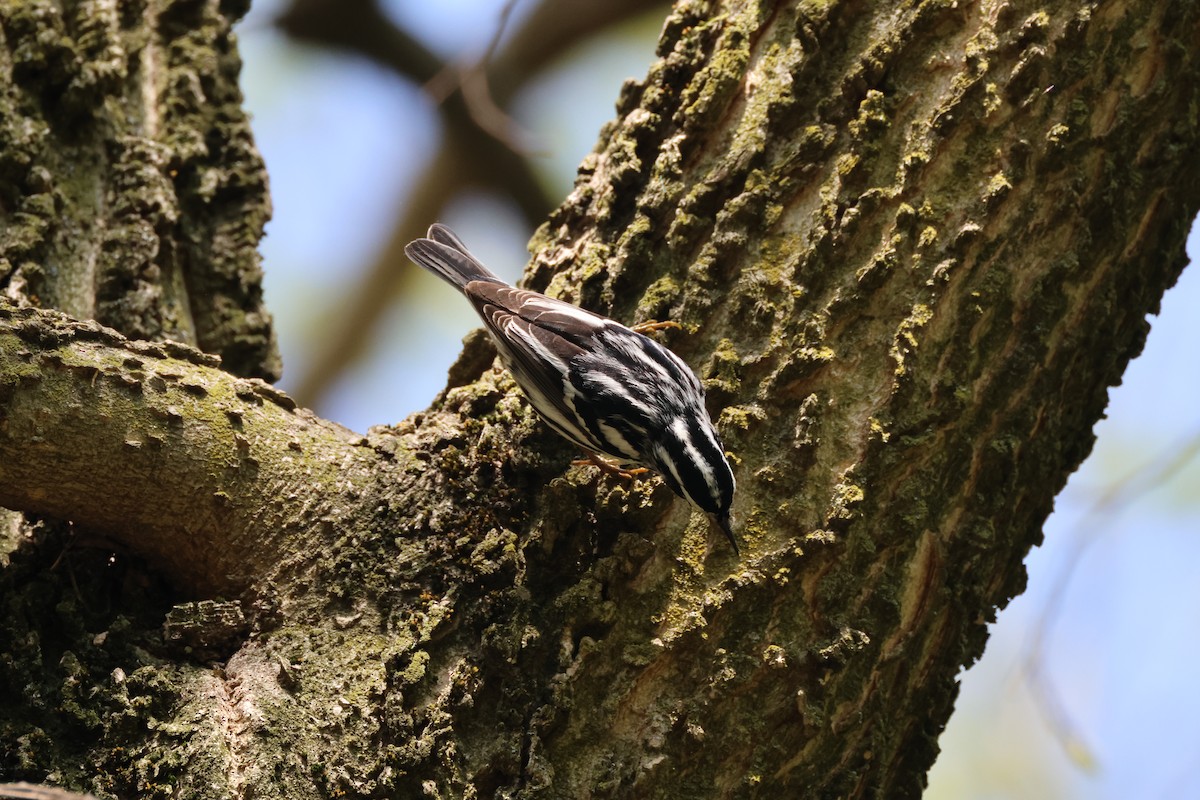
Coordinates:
<point>443,235</point>
<point>453,265</point>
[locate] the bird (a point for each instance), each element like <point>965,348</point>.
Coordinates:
<point>609,389</point>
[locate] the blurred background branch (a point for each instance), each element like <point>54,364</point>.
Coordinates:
<point>478,150</point>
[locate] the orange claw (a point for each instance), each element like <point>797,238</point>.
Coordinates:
<point>649,327</point>
<point>608,467</point>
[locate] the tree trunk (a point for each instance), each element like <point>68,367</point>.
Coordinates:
<point>911,247</point>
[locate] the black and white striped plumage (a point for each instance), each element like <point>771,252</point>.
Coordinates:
<point>607,388</point>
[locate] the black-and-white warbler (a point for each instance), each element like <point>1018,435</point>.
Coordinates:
<point>609,389</point>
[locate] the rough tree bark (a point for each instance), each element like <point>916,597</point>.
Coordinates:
<point>912,246</point>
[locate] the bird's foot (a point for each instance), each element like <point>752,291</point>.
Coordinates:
<point>651,326</point>
<point>609,467</point>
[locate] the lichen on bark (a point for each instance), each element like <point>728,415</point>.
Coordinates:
<point>140,199</point>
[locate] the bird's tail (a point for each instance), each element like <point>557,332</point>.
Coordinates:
<point>444,254</point>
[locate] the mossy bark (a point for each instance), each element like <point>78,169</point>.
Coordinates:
<point>133,191</point>
<point>911,247</point>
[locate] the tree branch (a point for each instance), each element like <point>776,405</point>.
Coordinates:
<point>151,443</point>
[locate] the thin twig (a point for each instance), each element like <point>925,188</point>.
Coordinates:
<point>472,81</point>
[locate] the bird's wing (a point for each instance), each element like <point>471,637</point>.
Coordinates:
<point>538,338</point>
